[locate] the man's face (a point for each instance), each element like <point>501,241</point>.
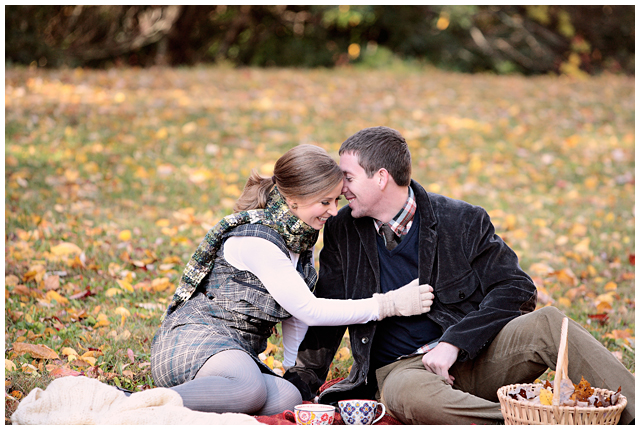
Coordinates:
<point>361,192</point>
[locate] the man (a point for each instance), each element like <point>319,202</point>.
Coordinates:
<point>444,366</point>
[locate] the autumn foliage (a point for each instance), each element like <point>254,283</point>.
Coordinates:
<point>113,177</point>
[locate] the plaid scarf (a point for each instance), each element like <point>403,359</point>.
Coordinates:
<point>401,223</point>
<point>298,235</point>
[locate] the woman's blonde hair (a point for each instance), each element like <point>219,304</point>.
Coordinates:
<point>302,172</point>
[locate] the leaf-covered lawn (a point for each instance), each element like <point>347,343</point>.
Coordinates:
<point>112,178</point>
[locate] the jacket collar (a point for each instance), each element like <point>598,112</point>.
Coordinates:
<point>427,216</point>
<point>428,236</point>
<point>366,231</point>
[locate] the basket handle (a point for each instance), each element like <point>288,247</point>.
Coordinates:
<point>562,363</point>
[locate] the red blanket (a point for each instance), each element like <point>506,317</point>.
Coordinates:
<point>279,419</point>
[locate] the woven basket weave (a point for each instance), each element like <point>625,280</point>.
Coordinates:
<point>520,412</point>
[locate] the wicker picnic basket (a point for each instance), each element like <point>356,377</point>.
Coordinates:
<point>521,412</point>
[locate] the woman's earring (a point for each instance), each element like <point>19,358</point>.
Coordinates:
<point>294,206</point>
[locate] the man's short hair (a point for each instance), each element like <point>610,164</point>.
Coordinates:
<point>381,147</point>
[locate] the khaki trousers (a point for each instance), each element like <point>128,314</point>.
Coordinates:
<point>521,352</point>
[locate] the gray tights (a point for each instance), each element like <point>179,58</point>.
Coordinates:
<point>231,381</point>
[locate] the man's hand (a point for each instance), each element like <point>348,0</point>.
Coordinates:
<point>440,359</point>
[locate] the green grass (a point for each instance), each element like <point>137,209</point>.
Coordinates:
<point>163,154</point>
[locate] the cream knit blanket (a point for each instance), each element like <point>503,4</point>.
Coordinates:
<point>81,400</point>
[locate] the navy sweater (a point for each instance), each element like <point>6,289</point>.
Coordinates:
<point>396,336</point>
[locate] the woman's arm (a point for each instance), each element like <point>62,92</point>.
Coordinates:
<point>293,331</point>
<point>277,273</point>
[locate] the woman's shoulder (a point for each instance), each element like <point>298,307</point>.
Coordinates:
<point>260,231</point>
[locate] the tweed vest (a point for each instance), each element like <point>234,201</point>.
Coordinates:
<point>242,293</point>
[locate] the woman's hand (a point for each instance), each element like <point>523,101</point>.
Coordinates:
<point>411,299</point>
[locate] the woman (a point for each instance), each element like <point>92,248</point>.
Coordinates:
<point>253,270</point>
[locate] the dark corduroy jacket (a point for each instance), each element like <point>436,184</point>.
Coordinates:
<point>478,286</point>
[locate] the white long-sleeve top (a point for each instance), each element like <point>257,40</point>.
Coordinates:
<point>278,274</point>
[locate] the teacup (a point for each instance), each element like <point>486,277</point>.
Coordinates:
<point>360,412</point>
<point>312,414</point>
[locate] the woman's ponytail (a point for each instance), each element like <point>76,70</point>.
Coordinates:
<point>255,193</point>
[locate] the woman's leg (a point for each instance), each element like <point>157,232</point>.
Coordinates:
<point>281,395</point>
<point>229,381</point>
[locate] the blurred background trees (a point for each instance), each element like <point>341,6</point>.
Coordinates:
<point>503,39</point>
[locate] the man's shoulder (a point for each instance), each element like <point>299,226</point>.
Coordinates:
<point>436,199</point>
<point>445,208</point>
<point>439,201</point>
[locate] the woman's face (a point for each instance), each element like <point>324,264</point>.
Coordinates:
<point>315,211</point>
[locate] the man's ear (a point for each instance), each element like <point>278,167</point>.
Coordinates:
<point>383,178</point>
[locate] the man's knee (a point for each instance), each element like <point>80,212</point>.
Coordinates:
<point>547,317</point>
<point>550,312</point>
<point>409,395</point>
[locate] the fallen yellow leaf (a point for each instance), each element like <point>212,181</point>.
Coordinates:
<point>54,295</point>
<point>125,235</point>
<point>125,285</point>
<point>162,133</point>
<point>36,351</point>
<point>566,276</point>
<point>113,292</point>
<point>541,268</point>
<point>103,321</point>
<point>343,354</point>
<point>52,282</point>
<point>269,361</point>
<point>122,311</point>
<point>9,365</point>
<point>90,360</point>
<point>11,280</point>
<point>160,284</point>
<point>162,222</point>
<point>270,347</point>
<point>582,247</point>
<point>604,307</point>
<point>65,248</point>
<point>69,351</point>
<point>35,272</point>
<point>546,397</point>
<point>620,334</point>
<point>29,369</point>
<point>607,298</point>
<point>578,230</point>
<point>126,334</point>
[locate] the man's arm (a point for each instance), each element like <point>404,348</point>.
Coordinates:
<point>320,344</point>
<point>507,291</point>
<point>315,355</point>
